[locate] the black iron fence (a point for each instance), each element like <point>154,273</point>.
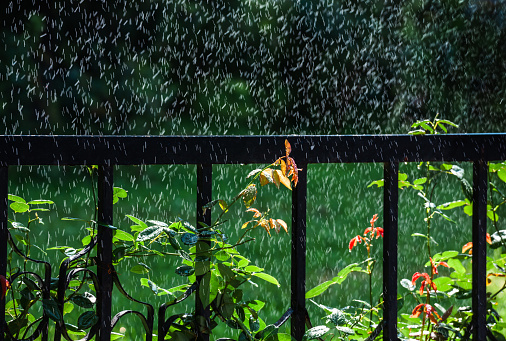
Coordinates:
<point>205,151</point>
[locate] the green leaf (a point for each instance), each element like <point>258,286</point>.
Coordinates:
<point>267,277</point>
<point>151,285</point>
<point>19,226</point>
<point>337,317</point>
<point>403,177</point>
<point>445,216</point>
<point>82,301</point>
<point>118,193</point>
<point>451,204</point>
<point>122,235</point>
<point>67,308</point>
<point>457,265</point>
<point>419,235</point>
<point>502,174</point>
<point>443,283</point>
<point>87,320</point>
<point>150,233</point>
<point>19,207</point>
<point>416,132</point>
<point>139,269</point>
<point>345,330</point>
<point>319,289</point>
<point>40,202</point>
<point>315,332</point>
<point>447,122</point>
<point>269,332</point>
<point>225,272</point>
<point>51,309</point>
<point>420,181</point>
<point>379,183</point>
<point>15,198</point>
<point>341,275</point>
<point>468,210</point>
<point>140,224</point>
<point>75,219</point>
<point>253,268</point>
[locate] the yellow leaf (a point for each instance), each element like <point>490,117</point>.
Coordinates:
<point>283,179</point>
<point>283,225</point>
<point>257,212</point>
<point>265,224</point>
<point>246,224</point>
<point>275,177</point>
<point>249,194</point>
<point>288,148</point>
<point>283,166</point>
<point>266,177</point>
<point>223,205</point>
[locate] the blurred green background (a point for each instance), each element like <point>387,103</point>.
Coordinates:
<point>250,67</point>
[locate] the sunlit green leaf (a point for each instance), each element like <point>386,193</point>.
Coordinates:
<point>40,202</point>
<point>457,265</point>
<point>451,204</point>
<point>379,183</point>
<point>122,235</point>
<point>19,207</point>
<point>267,277</point>
<point>15,198</point>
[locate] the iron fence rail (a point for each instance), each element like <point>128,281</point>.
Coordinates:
<point>205,151</point>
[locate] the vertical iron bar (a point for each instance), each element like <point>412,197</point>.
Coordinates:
<point>390,214</point>
<point>479,266</point>
<point>104,270</point>
<point>204,195</point>
<point>298,276</point>
<point>3,240</point>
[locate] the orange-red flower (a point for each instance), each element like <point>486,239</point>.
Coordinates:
<point>354,242</point>
<point>434,266</point>
<point>368,235</point>
<point>372,229</point>
<point>429,311</point>
<point>469,246</point>
<point>427,282</point>
<point>4,283</point>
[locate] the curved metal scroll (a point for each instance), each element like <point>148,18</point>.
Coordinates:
<point>44,286</point>
<point>64,280</point>
<point>146,322</point>
<point>62,329</point>
<point>164,325</point>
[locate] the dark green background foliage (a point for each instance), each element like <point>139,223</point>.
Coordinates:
<point>231,67</point>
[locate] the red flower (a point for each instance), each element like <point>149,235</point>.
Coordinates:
<point>354,242</point>
<point>372,230</point>
<point>373,219</point>
<point>425,283</point>
<point>4,283</point>
<point>434,265</point>
<point>429,311</point>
